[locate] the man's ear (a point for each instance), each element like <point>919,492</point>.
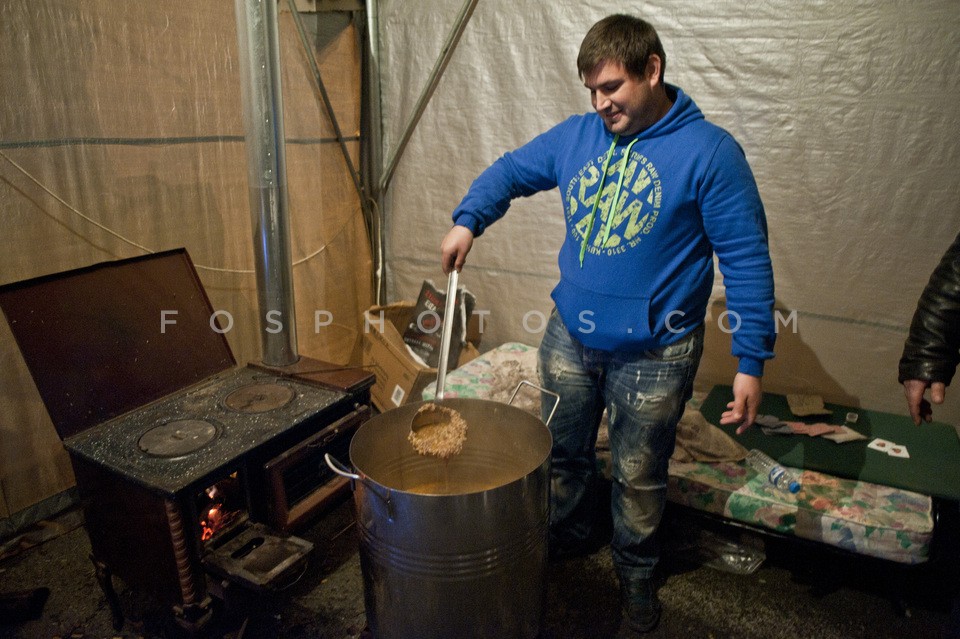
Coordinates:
<point>652,72</point>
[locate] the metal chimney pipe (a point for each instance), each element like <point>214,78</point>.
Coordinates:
<point>259,47</point>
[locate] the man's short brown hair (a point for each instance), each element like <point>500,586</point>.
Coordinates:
<point>624,39</point>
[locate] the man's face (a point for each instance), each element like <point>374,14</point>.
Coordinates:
<point>626,103</point>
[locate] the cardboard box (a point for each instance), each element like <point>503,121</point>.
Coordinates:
<point>400,379</point>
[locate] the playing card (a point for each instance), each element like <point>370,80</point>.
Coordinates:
<point>846,434</point>
<point>771,425</point>
<point>768,420</point>
<point>880,444</point>
<point>781,428</point>
<point>898,450</point>
<point>813,430</point>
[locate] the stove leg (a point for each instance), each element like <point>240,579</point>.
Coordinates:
<point>194,617</point>
<point>105,579</point>
<point>197,607</point>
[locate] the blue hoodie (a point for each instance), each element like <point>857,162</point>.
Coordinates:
<point>644,281</point>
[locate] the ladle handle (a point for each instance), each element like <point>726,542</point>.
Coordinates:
<point>452,281</point>
<point>542,390</point>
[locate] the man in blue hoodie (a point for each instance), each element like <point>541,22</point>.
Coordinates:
<point>650,192</point>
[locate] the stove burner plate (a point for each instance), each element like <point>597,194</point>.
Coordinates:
<point>177,438</point>
<point>259,398</point>
<point>126,444</point>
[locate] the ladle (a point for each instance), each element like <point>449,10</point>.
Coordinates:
<point>435,414</point>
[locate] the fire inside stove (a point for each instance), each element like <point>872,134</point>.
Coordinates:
<point>220,506</point>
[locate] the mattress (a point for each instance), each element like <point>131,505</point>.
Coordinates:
<point>857,516</point>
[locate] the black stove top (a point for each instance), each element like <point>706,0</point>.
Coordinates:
<point>179,440</point>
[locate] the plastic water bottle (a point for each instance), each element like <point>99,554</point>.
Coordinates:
<point>773,471</point>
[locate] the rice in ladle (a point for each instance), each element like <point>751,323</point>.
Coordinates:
<point>444,436</point>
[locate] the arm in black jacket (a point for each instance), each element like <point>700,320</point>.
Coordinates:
<point>932,350</point>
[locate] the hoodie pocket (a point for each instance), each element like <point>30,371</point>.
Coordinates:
<point>605,322</point>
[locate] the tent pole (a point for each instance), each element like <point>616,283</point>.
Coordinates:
<point>324,96</point>
<point>445,54</point>
<point>372,159</point>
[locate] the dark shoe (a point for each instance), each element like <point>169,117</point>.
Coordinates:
<point>641,607</point>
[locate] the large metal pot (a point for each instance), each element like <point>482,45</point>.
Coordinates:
<point>455,547</point>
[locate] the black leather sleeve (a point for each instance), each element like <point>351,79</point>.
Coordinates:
<point>932,349</point>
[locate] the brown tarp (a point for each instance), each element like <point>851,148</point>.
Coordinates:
<point>121,133</point>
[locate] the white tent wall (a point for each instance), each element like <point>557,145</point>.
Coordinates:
<point>849,114</point>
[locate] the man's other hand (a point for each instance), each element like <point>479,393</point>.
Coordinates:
<point>920,408</point>
<point>747,392</point>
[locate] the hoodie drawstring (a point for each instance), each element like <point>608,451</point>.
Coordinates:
<point>616,196</point>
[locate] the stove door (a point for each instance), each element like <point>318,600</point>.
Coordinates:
<point>300,485</point>
<point>259,558</point>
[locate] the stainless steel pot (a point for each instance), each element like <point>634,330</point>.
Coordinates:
<point>455,547</point>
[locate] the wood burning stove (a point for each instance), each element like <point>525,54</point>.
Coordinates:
<point>187,466</point>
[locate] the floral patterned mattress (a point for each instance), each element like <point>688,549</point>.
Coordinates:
<point>861,517</point>
<point>865,518</point>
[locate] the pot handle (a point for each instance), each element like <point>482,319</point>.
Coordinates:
<point>542,390</point>
<point>337,467</point>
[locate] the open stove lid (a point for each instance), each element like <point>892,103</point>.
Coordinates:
<point>103,340</point>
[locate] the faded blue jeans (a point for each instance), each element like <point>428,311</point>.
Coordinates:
<point>644,394</point>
